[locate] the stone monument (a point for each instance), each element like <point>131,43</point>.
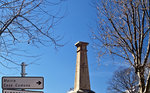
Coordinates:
<point>82,80</point>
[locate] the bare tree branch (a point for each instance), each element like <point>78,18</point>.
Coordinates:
<point>123,31</point>
<point>27,22</point>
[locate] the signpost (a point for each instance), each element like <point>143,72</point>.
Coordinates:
<point>17,91</point>
<point>19,84</point>
<point>22,82</point>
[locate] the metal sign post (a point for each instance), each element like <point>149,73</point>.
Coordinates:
<point>19,84</point>
<point>23,73</point>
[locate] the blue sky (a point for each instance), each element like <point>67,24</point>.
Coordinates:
<point>58,66</point>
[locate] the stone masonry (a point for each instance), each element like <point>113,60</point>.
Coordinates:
<point>82,80</point>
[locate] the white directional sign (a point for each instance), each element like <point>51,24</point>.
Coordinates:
<point>22,82</point>
<point>17,91</point>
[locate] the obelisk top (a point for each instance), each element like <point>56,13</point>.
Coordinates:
<point>81,46</point>
<point>80,43</point>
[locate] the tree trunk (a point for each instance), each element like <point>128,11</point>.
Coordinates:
<point>141,81</point>
<point>147,87</point>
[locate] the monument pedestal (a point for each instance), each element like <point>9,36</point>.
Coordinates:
<point>82,91</point>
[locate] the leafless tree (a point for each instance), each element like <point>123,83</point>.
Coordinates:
<point>27,22</point>
<point>123,30</point>
<point>124,80</point>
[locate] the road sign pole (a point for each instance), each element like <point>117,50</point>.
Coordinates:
<point>20,84</point>
<point>23,73</point>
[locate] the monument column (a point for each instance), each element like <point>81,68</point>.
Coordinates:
<point>82,80</point>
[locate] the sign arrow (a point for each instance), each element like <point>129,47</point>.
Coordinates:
<point>39,82</point>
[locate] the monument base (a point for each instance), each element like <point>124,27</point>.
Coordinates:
<point>82,91</point>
